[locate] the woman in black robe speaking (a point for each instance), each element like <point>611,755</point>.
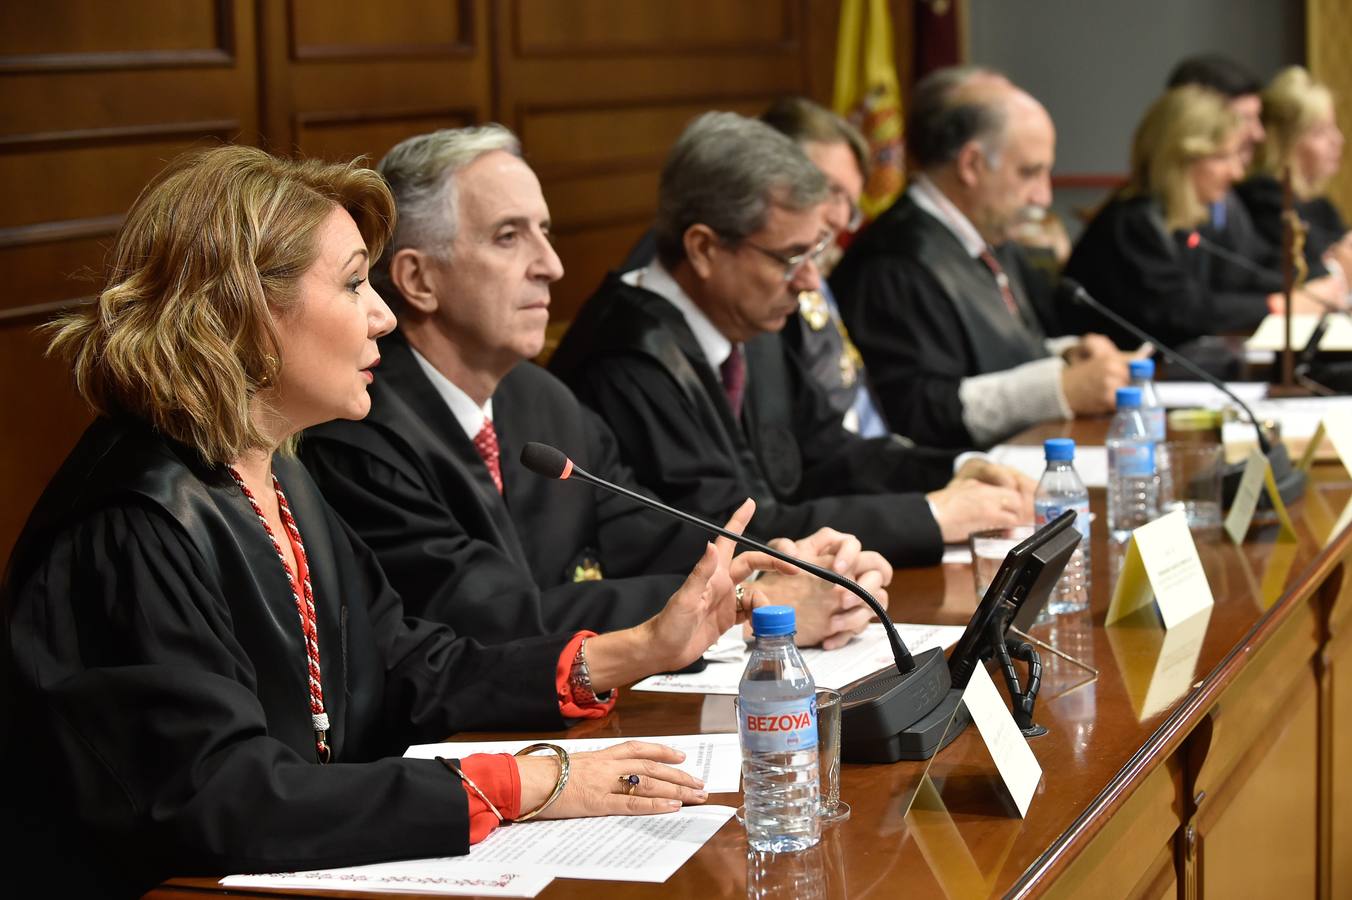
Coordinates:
<point>210,673</point>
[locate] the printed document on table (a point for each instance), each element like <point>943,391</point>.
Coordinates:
<point>715,759</point>
<point>606,848</point>
<point>519,860</point>
<point>865,654</point>
<point>1091,463</point>
<point>447,876</point>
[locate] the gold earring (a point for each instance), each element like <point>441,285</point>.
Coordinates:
<point>270,363</point>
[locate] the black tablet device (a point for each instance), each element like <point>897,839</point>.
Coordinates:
<point>1018,592</point>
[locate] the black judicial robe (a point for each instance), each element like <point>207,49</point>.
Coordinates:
<point>1261,195</point>
<point>1128,260</point>
<point>161,724</point>
<point>925,315</point>
<point>630,355</point>
<point>495,567</point>
<point>1242,237</point>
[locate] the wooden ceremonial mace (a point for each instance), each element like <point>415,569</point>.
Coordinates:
<point>1294,271</point>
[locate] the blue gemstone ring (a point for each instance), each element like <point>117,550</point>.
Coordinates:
<point>630,783</point>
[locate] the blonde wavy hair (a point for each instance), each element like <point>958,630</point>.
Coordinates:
<point>183,335</point>
<point>1292,103</point>
<point>1184,125</point>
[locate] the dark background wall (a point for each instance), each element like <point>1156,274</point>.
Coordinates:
<point>1097,65</point>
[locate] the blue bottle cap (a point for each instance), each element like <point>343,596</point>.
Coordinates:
<point>1059,449</point>
<point>768,621</point>
<point>1141,368</point>
<point>1128,398</point>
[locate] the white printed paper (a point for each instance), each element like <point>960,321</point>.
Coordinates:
<point>1202,395</point>
<point>606,848</point>
<point>519,860</point>
<point>1091,462</point>
<point>446,876</point>
<point>1014,760</point>
<point>1271,333</point>
<point>867,653</point>
<point>715,759</point>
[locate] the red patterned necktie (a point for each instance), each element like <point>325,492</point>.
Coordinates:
<point>1002,280</point>
<point>733,372</point>
<point>486,442</point>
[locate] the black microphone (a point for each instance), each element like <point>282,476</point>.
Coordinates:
<point>551,462</point>
<point>889,715</point>
<point>1290,480</point>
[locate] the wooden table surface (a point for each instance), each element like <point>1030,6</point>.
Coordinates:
<point>961,837</point>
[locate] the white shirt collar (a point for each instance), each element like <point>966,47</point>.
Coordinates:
<point>932,200</point>
<point>469,414</point>
<point>654,277</point>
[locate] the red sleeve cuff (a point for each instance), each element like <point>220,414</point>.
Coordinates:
<point>569,707</point>
<point>497,776</point>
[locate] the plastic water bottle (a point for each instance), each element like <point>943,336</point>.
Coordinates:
<point>1142,373</point>
<point>777,721</point>
<point>1059,490</point>
<point>1133,497</point>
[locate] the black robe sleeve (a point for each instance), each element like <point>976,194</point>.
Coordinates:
<point>152,725</point>
<point>1128,263</point>
<point>687,463</point>
<point>445,574</point>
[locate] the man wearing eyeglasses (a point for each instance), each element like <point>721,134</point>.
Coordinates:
<point>683,359</point>
<point>952,319</point>
<point>817,334</point>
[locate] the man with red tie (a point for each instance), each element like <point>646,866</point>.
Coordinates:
<point>683,359</point>
<point>951,318</point>
<point>431,479</point>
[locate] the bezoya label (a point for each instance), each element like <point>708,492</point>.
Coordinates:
<point>778,726</point>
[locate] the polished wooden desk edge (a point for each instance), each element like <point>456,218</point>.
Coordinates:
<point>1179,724</point>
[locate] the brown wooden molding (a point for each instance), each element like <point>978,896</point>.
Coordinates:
<point>463,45</point>
<point>62,230</point>
<point>328,118</point>
<point>39,312</point>
<point>787,42</point>
<point>220,56</point>
<point>37,141</point>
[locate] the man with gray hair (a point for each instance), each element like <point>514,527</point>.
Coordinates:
<point>431,479</point>
<point>952,319</point>
<point>683,360</point>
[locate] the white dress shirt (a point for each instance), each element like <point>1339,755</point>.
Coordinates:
<point>997,403</point>
<point>469,414</point>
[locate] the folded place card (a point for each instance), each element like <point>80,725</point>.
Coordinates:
<point>1161,562</point>
<point>1337,426</point>
<point>1257,477</point>
<point>1019,769</point>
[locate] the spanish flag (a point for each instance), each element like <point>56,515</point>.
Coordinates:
<point>869,96</point>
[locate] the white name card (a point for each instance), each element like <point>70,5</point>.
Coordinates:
<point>1019,769</point>
<point>1162,563</point>
<point>1257,477</point>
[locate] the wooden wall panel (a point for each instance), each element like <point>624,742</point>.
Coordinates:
<point>88,34</point>
<point>346,77</point>
<point>95,96</point>
<point>582,27</point>
<point>598,90</point>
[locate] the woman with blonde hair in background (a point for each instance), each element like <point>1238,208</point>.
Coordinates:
<point>1139,256</point>
<point>1302,136</point>
<point>211,673</point>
